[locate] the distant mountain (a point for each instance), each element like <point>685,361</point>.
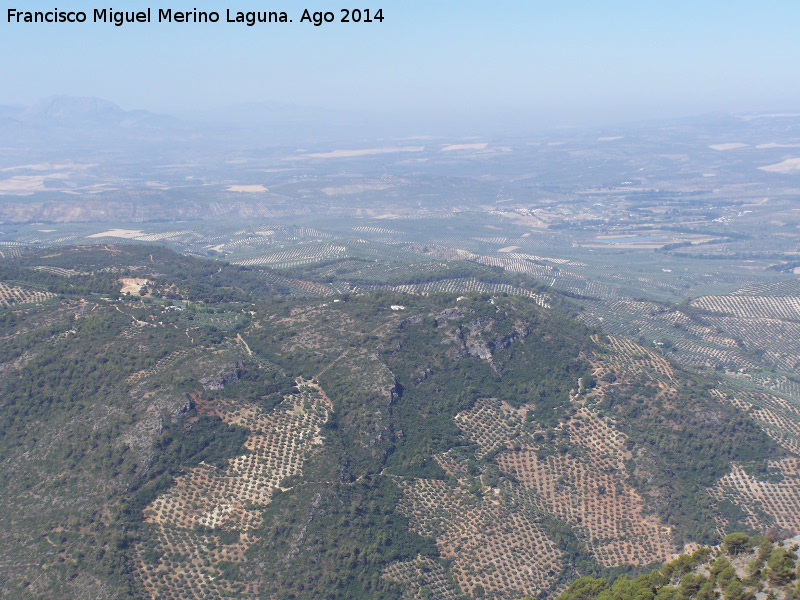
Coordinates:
<point>63,108</point>
<point>9,110</point>
<point>77,125</point>
<point>87,124</point>
<point>70,111</point>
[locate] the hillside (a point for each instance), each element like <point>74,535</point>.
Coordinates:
<point>208,433</point>
<point>743,568</point>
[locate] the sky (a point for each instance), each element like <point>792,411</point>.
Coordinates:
<point>560,61</point>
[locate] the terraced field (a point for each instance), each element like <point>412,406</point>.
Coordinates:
<point>769,307</point>
<point>161,366</point>
<point>296,256</point>
<point>421,579</point>
<point>607,512</point>
<point>13,295</point>
<point>628,356</point>
<point>587,490</point>
<point>57,271</point>
<point>492,537</point>
<point>464,286</point>
<point>222,502</point>
<point>779,500</point>
<point>9,250</point>
<point>735,331</point>
<point>762,500</point>
<point>779,417</point>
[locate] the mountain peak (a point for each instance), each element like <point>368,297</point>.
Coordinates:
<point>73,107</point>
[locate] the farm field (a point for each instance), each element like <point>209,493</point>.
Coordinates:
<point>225,502</point>
<point>12,295</point>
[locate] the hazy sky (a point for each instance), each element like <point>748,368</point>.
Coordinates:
<point>557,58</point>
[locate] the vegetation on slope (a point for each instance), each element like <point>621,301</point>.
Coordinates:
<point>744,567</point>
<point>103,408</point>
<point>677,460</point>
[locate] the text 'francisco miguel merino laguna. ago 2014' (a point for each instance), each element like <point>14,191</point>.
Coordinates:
<point>167,15</point>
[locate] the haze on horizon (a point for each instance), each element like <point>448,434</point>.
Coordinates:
<point>570,63</point>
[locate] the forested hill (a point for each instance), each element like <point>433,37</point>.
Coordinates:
<point>181,428</point>
<point>743,568</point>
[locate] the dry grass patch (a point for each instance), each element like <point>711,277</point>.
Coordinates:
<point>22,185</point>
<point>353,153</point>
<point>790,165</point>
<point>451,147</point>
<point>247,189</point>
<point>132,285</point>
<point>120,233</point>
<point>728,146</point>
